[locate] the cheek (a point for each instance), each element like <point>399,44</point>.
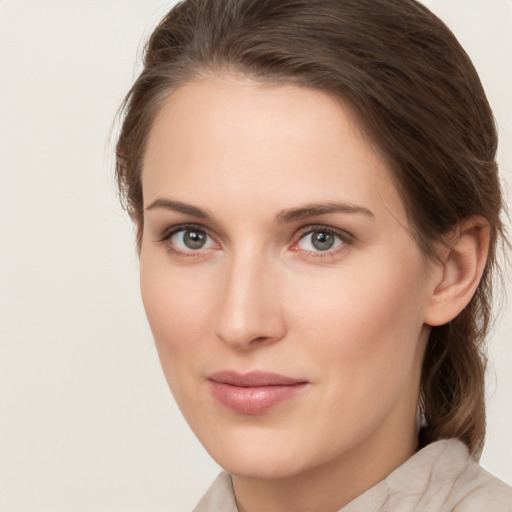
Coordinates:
<point>178,314</point>
<point>363,335</point>
<point>367,316</point>
<point>178,308</point>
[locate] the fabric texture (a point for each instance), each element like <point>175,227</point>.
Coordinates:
<point>442,477</point>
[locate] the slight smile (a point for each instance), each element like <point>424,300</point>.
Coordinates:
<point>254,392</point>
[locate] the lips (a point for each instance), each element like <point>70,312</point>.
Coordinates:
<point>254,392</point>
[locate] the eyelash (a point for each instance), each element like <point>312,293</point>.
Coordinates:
<point>169,233</point>
<point>346,240</point>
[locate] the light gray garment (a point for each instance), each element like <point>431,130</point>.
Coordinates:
<point>442,477</point>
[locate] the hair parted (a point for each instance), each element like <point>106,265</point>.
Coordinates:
<point>415,94</point>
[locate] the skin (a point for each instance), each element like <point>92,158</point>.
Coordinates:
<point>352,321</point>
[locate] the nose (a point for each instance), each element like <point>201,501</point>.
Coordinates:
<point>250,310</point>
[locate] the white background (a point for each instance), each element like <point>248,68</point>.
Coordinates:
<point>86,420</point>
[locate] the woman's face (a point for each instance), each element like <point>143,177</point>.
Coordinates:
<point>280,279</point>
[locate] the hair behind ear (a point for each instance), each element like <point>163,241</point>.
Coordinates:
<point>452,386</point>
<point>453,374</point>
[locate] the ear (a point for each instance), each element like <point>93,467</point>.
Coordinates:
<point>462,264</point>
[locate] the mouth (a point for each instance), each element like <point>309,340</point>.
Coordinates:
<point>253,392</point>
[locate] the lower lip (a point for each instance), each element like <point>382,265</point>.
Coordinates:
<point>253,400</point>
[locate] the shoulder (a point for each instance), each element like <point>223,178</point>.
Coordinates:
<point>448,478</point>
<point>476,490</point>
<point>219,496</point>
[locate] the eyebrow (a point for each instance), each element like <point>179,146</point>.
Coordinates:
<point>283,217</point>
<point>178,206</point>
<point>317,209</point>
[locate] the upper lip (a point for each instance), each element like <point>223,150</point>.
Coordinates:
<point>253,379</point>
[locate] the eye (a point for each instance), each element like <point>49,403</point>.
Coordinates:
<point>189,239</point>
<point>321,240</point>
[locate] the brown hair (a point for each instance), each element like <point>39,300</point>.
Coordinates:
<point>416,95</point>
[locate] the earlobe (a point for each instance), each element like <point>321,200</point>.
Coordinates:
<point>461,269</point>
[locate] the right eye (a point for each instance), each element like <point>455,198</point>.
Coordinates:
<point>188,240</point>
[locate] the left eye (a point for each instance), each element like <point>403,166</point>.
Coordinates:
<point>320,240</point>
<point>191,240</point>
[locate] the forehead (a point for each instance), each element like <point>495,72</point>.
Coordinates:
<point>222,138</point>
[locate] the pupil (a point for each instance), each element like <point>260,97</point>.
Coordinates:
<point>194,239</point>
<point>322,241</point>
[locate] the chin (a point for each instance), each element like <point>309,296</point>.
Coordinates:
<point>264,451</point>
<point>262,465</point>
<point>251,450</point>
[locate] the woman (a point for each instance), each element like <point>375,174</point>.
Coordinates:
<point>318,213</point>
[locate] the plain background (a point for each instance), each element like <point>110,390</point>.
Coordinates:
<point>86,420</point>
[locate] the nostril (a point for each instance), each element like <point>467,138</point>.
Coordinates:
<point>260,338</point>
